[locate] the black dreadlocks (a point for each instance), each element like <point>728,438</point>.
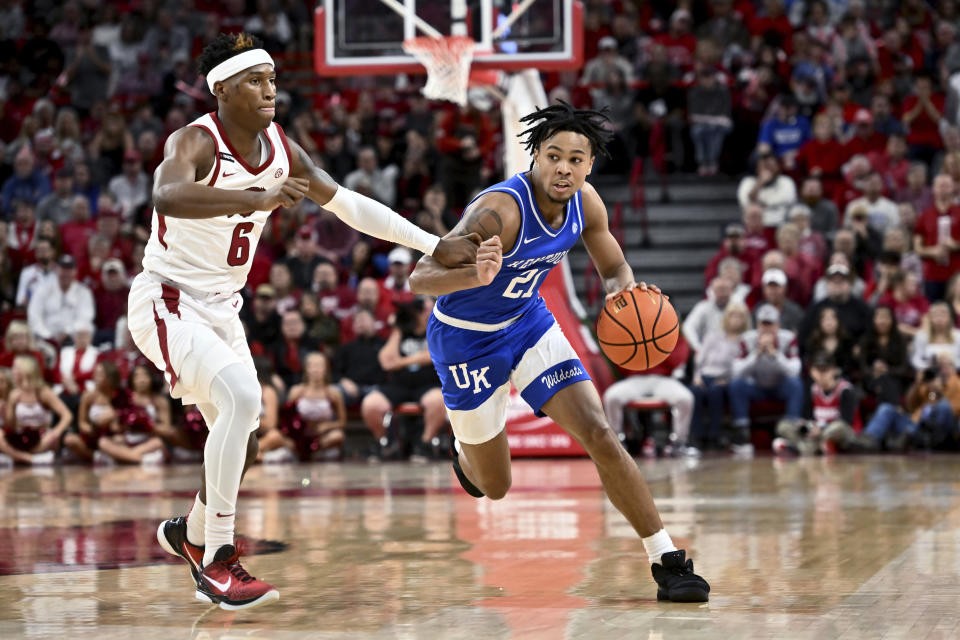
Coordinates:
<point>225,47</point>
<point>563,117</point>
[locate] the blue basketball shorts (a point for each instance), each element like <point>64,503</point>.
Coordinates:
<point>477,362</point>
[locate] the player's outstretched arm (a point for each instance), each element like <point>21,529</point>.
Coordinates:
<point>492,218</point>
<point>604,250</point>
<point>375,219</point>
<point>189,153</point>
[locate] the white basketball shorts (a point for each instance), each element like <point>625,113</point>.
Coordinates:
<point>190,336</point>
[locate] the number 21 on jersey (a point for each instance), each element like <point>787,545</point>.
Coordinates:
<point>518,286</point>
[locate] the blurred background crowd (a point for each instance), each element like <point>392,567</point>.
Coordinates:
<point>834,302</point>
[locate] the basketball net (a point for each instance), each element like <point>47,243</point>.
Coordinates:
<point>447,60</point>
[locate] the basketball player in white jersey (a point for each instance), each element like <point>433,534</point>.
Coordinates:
<point>221,177</point>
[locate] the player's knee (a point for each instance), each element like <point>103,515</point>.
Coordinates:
<point>497,488</point>
<point>247,401</point>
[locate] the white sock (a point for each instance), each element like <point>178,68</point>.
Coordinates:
<point>657,544</point>
<point>236,394</point>
<point>196,522</point>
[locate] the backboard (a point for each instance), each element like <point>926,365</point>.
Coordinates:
<point>365,37</point>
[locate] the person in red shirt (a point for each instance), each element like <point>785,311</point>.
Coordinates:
<point>774,20</point>
<point>110,296</point>
<point>907,301</point>
<point>734,245</point>
<point>759,238</point>
<point>866,139</point>
<point>678,41</point>
<point>368,298</point>
<point>798,266</point>
<point>892,163</point>
<point>936,238</point>
<point>921,115</point>
<point>76,233</point>
<point>823,155</point>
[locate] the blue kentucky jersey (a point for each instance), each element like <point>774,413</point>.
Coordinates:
<point>516,288</point>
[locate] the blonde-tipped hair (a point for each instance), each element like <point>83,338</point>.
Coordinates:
<point>33,380</point>
<point>732,308</point>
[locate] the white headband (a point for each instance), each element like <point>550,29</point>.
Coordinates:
<point>236,64</point>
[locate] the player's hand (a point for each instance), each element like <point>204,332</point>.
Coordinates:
<point>458,251</point>
<point>643,286</point>
<point>489,260</point>
<point>286,194</point>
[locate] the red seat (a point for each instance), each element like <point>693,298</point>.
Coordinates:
<point>407,409</point>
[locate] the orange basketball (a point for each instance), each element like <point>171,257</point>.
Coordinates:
<point>638,329</point>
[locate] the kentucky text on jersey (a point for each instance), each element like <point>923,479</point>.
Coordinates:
<point>538,248</point>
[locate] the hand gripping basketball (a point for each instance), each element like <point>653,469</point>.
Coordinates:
<point>638,328</point>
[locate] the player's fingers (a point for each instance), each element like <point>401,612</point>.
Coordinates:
<point>474,237</point>
<point>300,183</point>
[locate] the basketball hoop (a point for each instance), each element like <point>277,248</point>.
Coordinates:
<point>447,60</point>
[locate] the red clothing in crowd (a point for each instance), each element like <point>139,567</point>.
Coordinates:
<point>679,48</point>
<point>381,323</point>
<point>894,172</point>
<point>924,131</point>
<point>909,312</point>
<point>874,143</point>
<point>76,238</point>
<point>111,306</point>
<point>781,25</point>
<point>823,158</point>
<point>928,228</point>
<point>802,273</point>
<point>761,242</point>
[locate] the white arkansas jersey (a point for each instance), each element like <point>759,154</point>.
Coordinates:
<point>214,255</point>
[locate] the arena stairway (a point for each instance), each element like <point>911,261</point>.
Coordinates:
<point>683,234</point>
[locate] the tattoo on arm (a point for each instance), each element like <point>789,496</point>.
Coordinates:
<point>484,221</point>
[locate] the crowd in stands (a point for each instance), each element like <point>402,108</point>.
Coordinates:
<point>840,282</point>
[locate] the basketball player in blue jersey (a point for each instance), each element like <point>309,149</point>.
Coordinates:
<point>220,178</point>
<point>490,327</point>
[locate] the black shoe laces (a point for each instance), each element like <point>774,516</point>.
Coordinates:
<point>240,573</point>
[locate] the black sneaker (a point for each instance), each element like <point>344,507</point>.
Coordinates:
<point>468,486</point>
<point>676,580</point>
<point>172,536</point>
<point>422,452</point>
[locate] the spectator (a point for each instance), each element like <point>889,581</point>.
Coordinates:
<point>936,238</point>
<point>379,184</point>
<point>774,293</point>
<point>854,314</point>
<point>678,42</point>
<point>76,233</point>
<point>660,383</point>
<point>289,352</point>
<point>937,336</point>
<point>396,286</point>
<point>830,339</point>
<point>713,369</point>
<point>356,365</point>
<point>322,327</point>
<point>707,315</point>
<point>888,264</point>
<point>833,403</point>
<point>884,122</point>
<point>145,385</point>
<point>318,411</point>
<point>953,298</point>
<point>56,205</point>
<point>892,164</point>
<point>659,111</point>
<point>812,243</point>
<point>33,275</point>
<point>921,114</point>
<point>731,270</point>
<point>27,184</point>
<point>823,212</point>
<point>767,367</point>
<point>75,364</point>
<point>710,119</point>
<point>27,436</point>
<point>131,189</point>
<point>769,188</point>
<point>867,239</point>
<point>273,445</point>
<point>916,192</point>
<point>930,420</point>
<point>866,140</point>
<point>822,156</point>
<point>608,61</point>
<point>882,357</point>
<point>304,258</point>
<point>800,268</point>
<point>88,72</point>
<point>17,341</point>
<point>410,378</point>
<point>334,299</point>
<point>368,298</point>
<point>60,305</point>
<point>335,240</point>
<point>881,211</point>
<point>784,134</point>
<point>907,301</point>
<point>110,296</point>
<point>733,246</point>
<point>287,295</point>
<point>758,239</point>
<point>897,240</point>
<point>465,140</point>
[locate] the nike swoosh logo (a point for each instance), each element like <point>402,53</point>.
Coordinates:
<point>189,557</point>
<point>227,175</point>
<point>223,586</point>
<point>235,304</point>
<point>529,240</point>
<point>223,515</point>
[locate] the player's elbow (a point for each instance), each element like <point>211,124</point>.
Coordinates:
<point>163,200</point>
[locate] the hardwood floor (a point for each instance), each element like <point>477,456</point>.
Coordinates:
<point>846,548</point>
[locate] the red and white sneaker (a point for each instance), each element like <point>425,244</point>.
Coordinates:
<point>172,536</point>
<point>228,584</point>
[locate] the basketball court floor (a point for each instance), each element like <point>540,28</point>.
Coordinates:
<point>847,548</point>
